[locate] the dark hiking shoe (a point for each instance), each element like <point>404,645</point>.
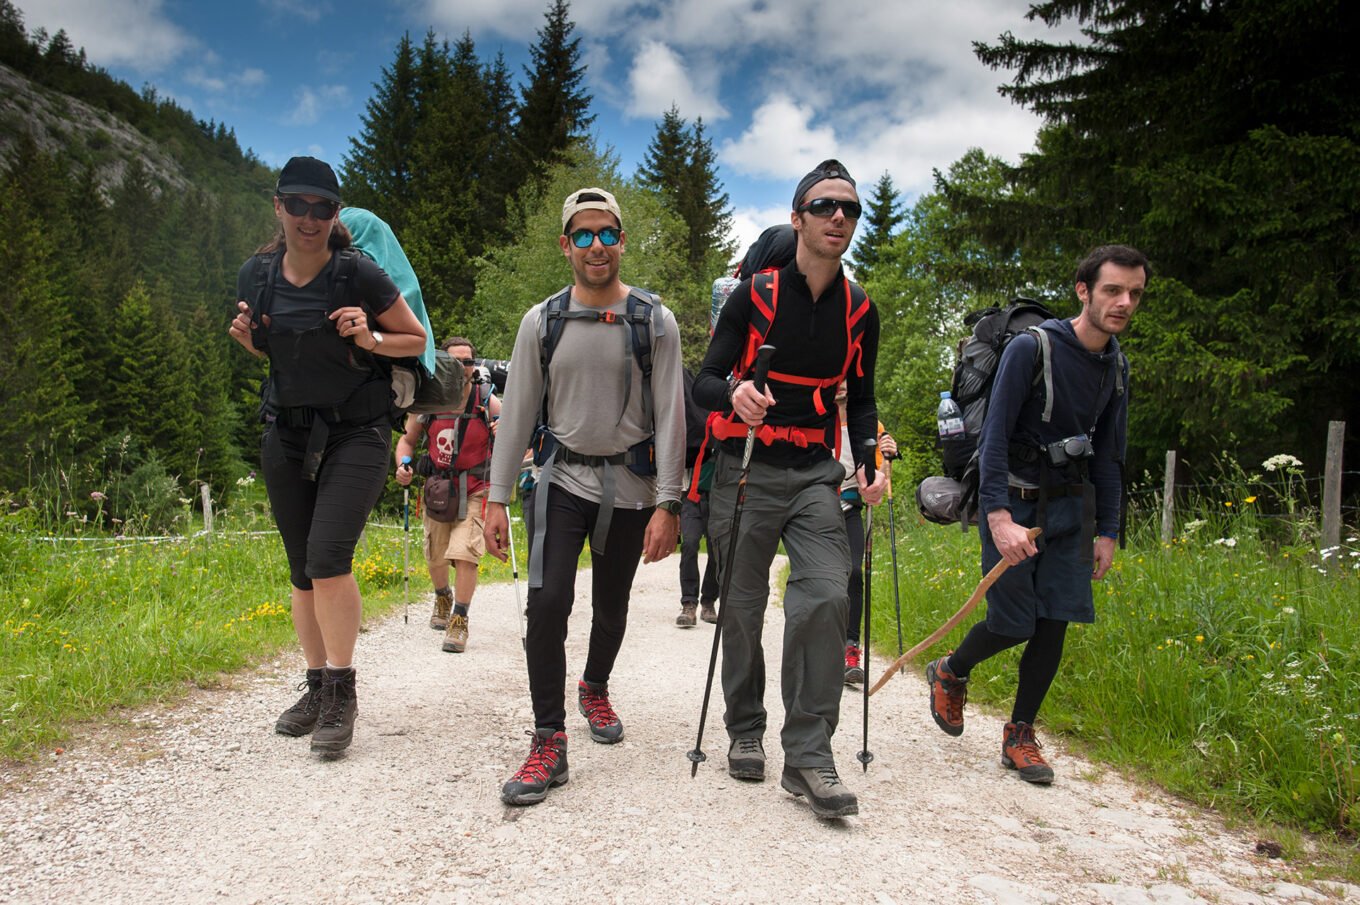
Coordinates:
<point>707,612</point>
<point>854,673</point>
<point>335,725</point>
<point>948,693</point>
<point>823,789</point>
<point>746,759</point>
<point>443,605</point>
<point>1020,751</point>
<point>592,699</point>
<point>301,717</point>
<point>455,639</point>
<point>687,617</point>
<point>545,767</point>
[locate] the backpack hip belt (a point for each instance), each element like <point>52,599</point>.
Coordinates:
<point>801,437</point>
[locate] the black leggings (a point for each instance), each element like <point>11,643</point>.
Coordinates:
<point>571,520</point>
<point>1038,664</point>
<point>320,521</point>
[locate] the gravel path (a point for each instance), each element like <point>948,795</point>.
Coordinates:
<point>202,802</point>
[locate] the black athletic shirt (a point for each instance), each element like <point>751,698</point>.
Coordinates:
<point>810,340</point>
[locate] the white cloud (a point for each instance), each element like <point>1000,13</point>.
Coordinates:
<point>750,222</point>
<point>781,142</point>
<point>309,103</point>
<point>135,33</point>
<point>659,79</point>
<point>306,10</point>
<point>218,82</point>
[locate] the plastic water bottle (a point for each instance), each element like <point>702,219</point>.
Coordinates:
<point>949,417</point>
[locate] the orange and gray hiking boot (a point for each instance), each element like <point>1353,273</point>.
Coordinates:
<point>854,673</point>
<point>443,605</point>
<point>948,693</point>
<point>545,767</point>
<point>592,699</point>
<point>1020,751</point>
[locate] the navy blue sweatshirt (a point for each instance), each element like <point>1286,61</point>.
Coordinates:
<point>1082,380</point>
<point>810,340</point>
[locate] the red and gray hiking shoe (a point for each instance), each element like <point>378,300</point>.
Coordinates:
<point>948,694</point>
<point>1020,751</point>
<point>592,699</point>
<point>545,767</point>
<point>854,673</point>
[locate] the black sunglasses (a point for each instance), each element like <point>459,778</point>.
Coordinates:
<point>826,207</point>
<point>298,207</point>
<point>584,238</point>
<point>466,362</point>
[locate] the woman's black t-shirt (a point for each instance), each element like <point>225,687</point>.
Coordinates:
<point>310,364</point>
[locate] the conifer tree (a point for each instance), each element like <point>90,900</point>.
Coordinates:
<point>681,165</point>
<point>876,230</point>
<point>377,172</point>
<point>554,107</point>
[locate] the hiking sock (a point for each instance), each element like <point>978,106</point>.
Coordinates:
<point>339,669</point>
<point>445,591</point>
<point>461,609</point>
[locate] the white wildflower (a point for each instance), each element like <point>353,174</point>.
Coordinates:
<point>1288,610</point>
<point>1283,460</point>
<point>1227,541</point>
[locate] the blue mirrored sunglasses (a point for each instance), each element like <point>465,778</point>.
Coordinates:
<point>609,236</point>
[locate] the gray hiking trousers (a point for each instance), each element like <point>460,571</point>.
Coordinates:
<point>801,507</point>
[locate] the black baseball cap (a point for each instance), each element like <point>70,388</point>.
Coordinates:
<point>308,176</point>
<point>827,169</point>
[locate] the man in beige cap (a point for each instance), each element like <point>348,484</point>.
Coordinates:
<point>598,394</point>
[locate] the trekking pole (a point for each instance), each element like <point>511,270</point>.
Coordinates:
<point>406,544</point>
<point>892,541</point>
<point>726,563</point>
<point>870,449</point>
<point>514,576</point>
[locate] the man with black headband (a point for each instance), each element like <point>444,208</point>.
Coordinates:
<point>598,394</point>
<point>824,329</point>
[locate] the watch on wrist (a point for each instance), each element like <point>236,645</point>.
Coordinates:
<point>377,339</point>
<point>671,506</point>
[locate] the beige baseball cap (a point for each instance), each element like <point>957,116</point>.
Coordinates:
<point>592,199</point>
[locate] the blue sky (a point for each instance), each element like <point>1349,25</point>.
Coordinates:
<point>883,85</point>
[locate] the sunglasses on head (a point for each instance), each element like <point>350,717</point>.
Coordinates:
<point>826,207</point>
<point>299,207</point>
<point>584,238</point>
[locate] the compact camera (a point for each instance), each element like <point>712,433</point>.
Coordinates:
<point>480,375</point>
<point>1070,449</point>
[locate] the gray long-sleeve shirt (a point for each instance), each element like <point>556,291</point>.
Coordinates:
<point>586,410</point>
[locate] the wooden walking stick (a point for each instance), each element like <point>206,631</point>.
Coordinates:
<point>952,622</point>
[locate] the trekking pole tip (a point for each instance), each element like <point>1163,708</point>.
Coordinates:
<point>865,757</point>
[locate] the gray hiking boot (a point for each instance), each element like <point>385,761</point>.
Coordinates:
<point>688,614</point>
<point>301,717</point>
<point>823,789</point>
<point>335,726</point>
<point>746,759</point>
<point>707,612</point>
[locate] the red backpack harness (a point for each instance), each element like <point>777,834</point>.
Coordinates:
<point>764,305</point>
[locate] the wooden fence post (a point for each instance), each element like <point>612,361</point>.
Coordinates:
<point>1331,490</point>
<point>1168,498</point>
<point>207,508</point>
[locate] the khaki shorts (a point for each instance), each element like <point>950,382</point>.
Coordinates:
<point>459,541</point>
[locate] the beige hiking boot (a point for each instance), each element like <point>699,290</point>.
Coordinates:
<point>443,605</point>
<point>455,639</point>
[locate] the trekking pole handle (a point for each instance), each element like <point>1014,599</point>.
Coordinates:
<point>405,460</point>
<point>763,356</point>
<point>870,448</point>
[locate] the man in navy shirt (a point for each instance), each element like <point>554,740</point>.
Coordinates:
<point>1050,455</point>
